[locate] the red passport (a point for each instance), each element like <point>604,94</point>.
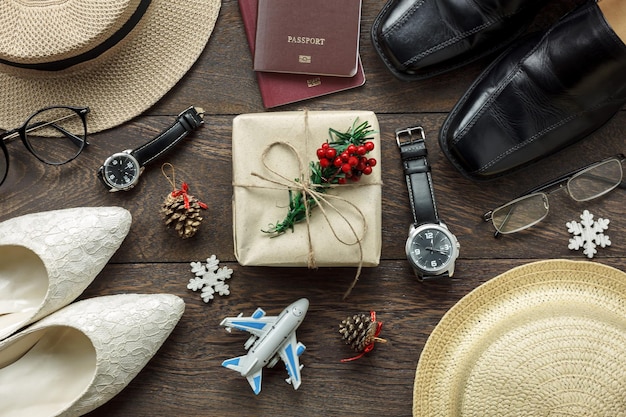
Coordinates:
<point>278,89</point>
<point>318,37</point>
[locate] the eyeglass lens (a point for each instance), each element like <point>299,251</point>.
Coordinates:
<point>56,135</point>
<point>530,209</point>
<point>596,180</point>
<point>4,163</point>
<point>521,213</point>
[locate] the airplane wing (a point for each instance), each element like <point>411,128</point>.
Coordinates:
<point>258,324</point>
<point>255,381</point>
<point>290,354</point>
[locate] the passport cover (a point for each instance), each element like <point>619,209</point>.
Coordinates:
<point>319,37</point>
<point>278,89</point>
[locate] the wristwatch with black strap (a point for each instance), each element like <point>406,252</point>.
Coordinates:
<point>431,248</point>
<point>121,171</point>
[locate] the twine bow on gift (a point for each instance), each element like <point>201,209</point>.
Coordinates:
<point>316,193</point>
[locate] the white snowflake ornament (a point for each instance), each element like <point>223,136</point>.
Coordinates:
<point>209,278</point>
<point>588,234</point>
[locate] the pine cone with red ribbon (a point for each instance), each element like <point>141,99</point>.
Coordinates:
<point>361,332</point>
<point>183,212</point>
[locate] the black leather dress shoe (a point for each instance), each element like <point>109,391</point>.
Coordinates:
<point>544,93</point>
<point>419,39</point>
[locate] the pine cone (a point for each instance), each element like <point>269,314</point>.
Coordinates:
<point>185,220</point>
<point>358,331</point>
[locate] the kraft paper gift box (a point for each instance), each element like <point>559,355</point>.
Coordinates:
<point>278,140</point>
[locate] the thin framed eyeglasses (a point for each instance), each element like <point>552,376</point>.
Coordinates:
<point>583,184</point>
<point>55,135</point>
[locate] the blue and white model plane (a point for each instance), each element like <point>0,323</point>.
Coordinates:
<point>273,338</point>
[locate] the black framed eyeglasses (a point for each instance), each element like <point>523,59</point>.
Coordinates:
<point>584,184</point>
<point>54,135</point>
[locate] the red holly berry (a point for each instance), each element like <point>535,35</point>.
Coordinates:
<point>352,162</point>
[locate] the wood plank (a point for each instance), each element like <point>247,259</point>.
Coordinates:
<point>185,377</point>
<point>204,161</point>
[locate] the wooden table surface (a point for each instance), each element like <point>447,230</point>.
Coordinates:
<point>185,378</point>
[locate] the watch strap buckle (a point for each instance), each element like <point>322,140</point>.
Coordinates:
<point>191,118</point>
<point>411,134</point>
<point>198,110</point>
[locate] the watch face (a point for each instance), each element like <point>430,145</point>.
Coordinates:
<point>431,248</point>
<point>121,171</point>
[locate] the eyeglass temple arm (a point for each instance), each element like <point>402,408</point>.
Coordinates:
<point>75,139</point>
<point>555,181</point>
<point>9,135</point>
<point>567,176</point>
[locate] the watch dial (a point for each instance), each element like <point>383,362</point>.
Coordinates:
<point>121,171</point>
<point>431,249</point>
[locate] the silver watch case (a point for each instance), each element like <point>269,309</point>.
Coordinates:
<point>447,267</point>
<point>139,169</point>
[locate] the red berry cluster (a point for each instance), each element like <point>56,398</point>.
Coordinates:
<point>350,163</point>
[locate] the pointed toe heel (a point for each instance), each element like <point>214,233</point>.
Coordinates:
<point>47,259</point>
<point>76,359</point>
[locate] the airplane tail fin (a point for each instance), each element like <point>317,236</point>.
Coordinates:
<point>233,363</point>
<point>254,380</point>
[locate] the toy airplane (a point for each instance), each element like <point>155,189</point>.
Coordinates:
<point>273,337</point>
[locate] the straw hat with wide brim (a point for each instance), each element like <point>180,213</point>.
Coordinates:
<point>117,57</point>
<point>544,339</point>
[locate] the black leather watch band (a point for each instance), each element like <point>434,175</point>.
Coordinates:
<point>187,121</point>
<point>413,152</point>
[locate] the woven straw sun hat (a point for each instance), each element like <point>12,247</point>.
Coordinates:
<point>117,57</point>
<point>543,339</point>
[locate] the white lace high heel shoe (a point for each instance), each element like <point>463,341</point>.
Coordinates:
<point>47,259</point>
<point>78,358</point>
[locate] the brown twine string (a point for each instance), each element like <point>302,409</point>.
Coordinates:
<point>184,188</point>
<point>172,180</point>
<point>302,184</point>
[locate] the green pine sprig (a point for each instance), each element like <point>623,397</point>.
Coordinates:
<point>321,177</point>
